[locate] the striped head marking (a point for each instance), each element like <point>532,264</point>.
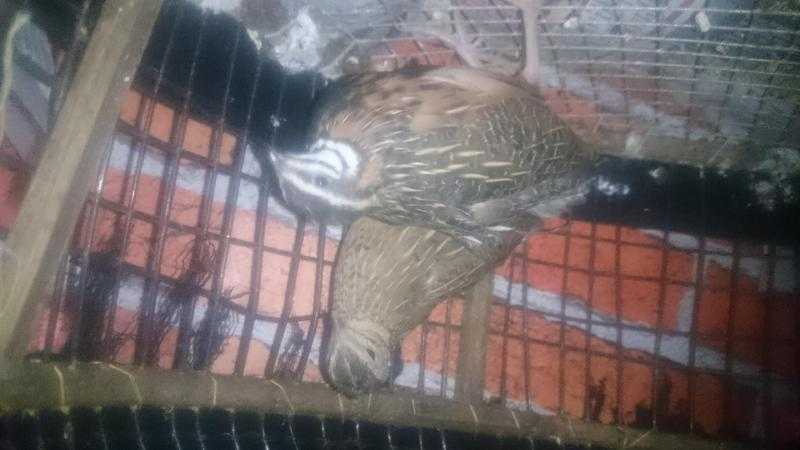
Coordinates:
<point>360,357</point>
<point>324,181</point>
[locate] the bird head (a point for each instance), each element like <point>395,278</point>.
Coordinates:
<point>360,357</point>
<point>326,182</point>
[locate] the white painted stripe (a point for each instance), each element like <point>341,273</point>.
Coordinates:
<point>132,288</point>
<point>674,348</point>
<point>784,279</point>
<point>686,310</point>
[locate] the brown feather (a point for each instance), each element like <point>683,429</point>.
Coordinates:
<point>395,275</point>
<point>435,143</point>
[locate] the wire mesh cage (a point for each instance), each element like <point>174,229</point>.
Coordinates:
<point>723,72</point>
<point>221,429</point>
<point>184,259</point>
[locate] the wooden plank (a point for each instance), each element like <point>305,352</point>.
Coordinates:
<point>69,163</point>
<point>25,385</point>
<point>472,353</point>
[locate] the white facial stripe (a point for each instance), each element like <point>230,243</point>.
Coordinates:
<point>337,154</point>
<point>310,168</point>
<point>324,156</point>
<point>332,199</point>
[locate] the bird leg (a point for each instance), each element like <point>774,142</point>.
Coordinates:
<point>530,24</point>
<point>329,70</point>
<point>458,41</point>
<point>472,56</point>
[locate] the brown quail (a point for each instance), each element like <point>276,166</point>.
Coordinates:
<point>386,281</point>
<point>467,152</point>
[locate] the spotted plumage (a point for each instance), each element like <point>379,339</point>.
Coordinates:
<point>386,281</point>
<point>457,150</point>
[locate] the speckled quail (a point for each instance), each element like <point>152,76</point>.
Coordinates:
<point>387,280</point>
<point>463,151</point>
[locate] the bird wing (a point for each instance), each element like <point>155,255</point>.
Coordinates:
<point>481,81</point>
<point>431,98</point>
<point>395,275</point>
<point>473,142</point>
<point>507,210</point>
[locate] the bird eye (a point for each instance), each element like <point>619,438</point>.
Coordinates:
<point>371,354</point>
<point>321,181</point>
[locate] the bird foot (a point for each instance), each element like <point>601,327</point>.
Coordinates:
<point>530,23</point>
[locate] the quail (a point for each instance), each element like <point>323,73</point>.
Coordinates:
<point>387,280</point>
<point>464,151</point>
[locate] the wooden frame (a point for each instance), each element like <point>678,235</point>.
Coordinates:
<point>69,163</point>
<point>29,385</point>
<point>474,330</point>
